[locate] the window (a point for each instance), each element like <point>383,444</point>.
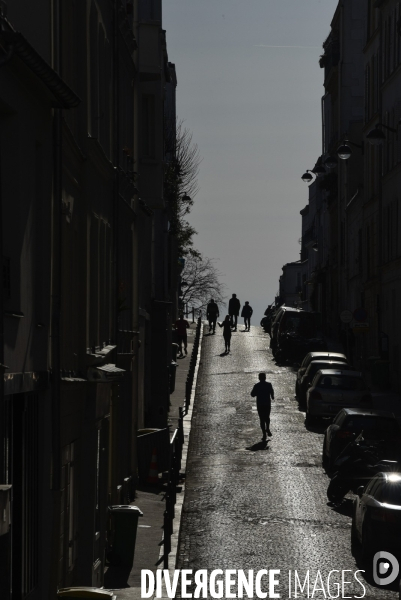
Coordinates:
<point>341,382</point>
<point>148,126</point>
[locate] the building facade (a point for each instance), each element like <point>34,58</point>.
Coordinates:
<point>359,269</point>
<point>89,277</point>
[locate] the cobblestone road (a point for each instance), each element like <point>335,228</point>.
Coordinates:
<point>267,508</point>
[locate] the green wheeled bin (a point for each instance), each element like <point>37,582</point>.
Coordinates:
<point>84,593</point>
<point>124,518</point>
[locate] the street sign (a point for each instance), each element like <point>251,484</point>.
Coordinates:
<point>360,327</point>
<point>360,314</point>
<point>346,316</point>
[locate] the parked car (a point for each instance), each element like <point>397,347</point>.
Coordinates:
<point>311,370</point>
<point>288,318</point>
<point>376,518</point>
<point>295,332</point>
<point>316,355</point>
<point>332,390</point>
<point>267,320</point>
<point>356,465</point>
<point>350,422</point>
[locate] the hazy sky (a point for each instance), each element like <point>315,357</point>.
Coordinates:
<point>249,89</point>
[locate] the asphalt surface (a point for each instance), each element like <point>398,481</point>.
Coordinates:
<point>250,505</point>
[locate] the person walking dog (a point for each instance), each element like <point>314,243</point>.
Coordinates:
<point>264,393</point>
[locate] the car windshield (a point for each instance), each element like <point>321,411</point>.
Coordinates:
<point>391,493</point>
<point>341,382</point>
<point>372,425</point>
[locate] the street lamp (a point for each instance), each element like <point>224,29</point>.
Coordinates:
<point>376,136</point>
<point>307,177</point>
<point>319,170</point>
<point>344,151</point>
<point>331,162</point>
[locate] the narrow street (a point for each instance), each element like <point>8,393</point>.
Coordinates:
<point>254,507</point>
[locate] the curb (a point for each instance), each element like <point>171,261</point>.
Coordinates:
<point>175,538</point>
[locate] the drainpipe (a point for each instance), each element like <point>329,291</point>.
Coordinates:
<point>114,400</point>
<point>56,311</point>
<point>3,469</point>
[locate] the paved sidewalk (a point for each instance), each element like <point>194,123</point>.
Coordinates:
<point>148,551</point>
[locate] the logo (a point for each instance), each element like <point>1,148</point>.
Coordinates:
<point>385,568</point>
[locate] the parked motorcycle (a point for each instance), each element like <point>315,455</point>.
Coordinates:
<point>356,465</point>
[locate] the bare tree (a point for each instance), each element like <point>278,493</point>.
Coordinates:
<point>200,282</point>
<point>181,183</point>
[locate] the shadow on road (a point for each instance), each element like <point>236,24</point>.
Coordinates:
<point>259,446</point>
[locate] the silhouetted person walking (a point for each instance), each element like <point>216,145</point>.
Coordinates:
<point>212,313</point>
<point>233,310</point>
<point>226,324</point>
<point>247,312</point>
<point>181,327</point>
<point>264,393</point>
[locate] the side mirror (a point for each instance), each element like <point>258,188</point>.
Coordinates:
<point>359,491</point>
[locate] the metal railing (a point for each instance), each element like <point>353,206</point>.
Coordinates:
<point>192,363</point>
<point>176,444</point>
<point>175,453</point>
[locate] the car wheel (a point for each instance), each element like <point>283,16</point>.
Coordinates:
<point>337,489</point>
<point>367,548</point>
<point>310,420</point>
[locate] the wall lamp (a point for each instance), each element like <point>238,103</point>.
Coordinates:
<point>344,151</point>
<point>317,171</point>
<point>376,136</point>
<point>331,162</point>
<point>307,177</point>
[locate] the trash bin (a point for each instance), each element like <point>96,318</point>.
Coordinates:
<point>124,525</point>
<point>174,351</point>
<point>86,592</point>
<point>172,371</point>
